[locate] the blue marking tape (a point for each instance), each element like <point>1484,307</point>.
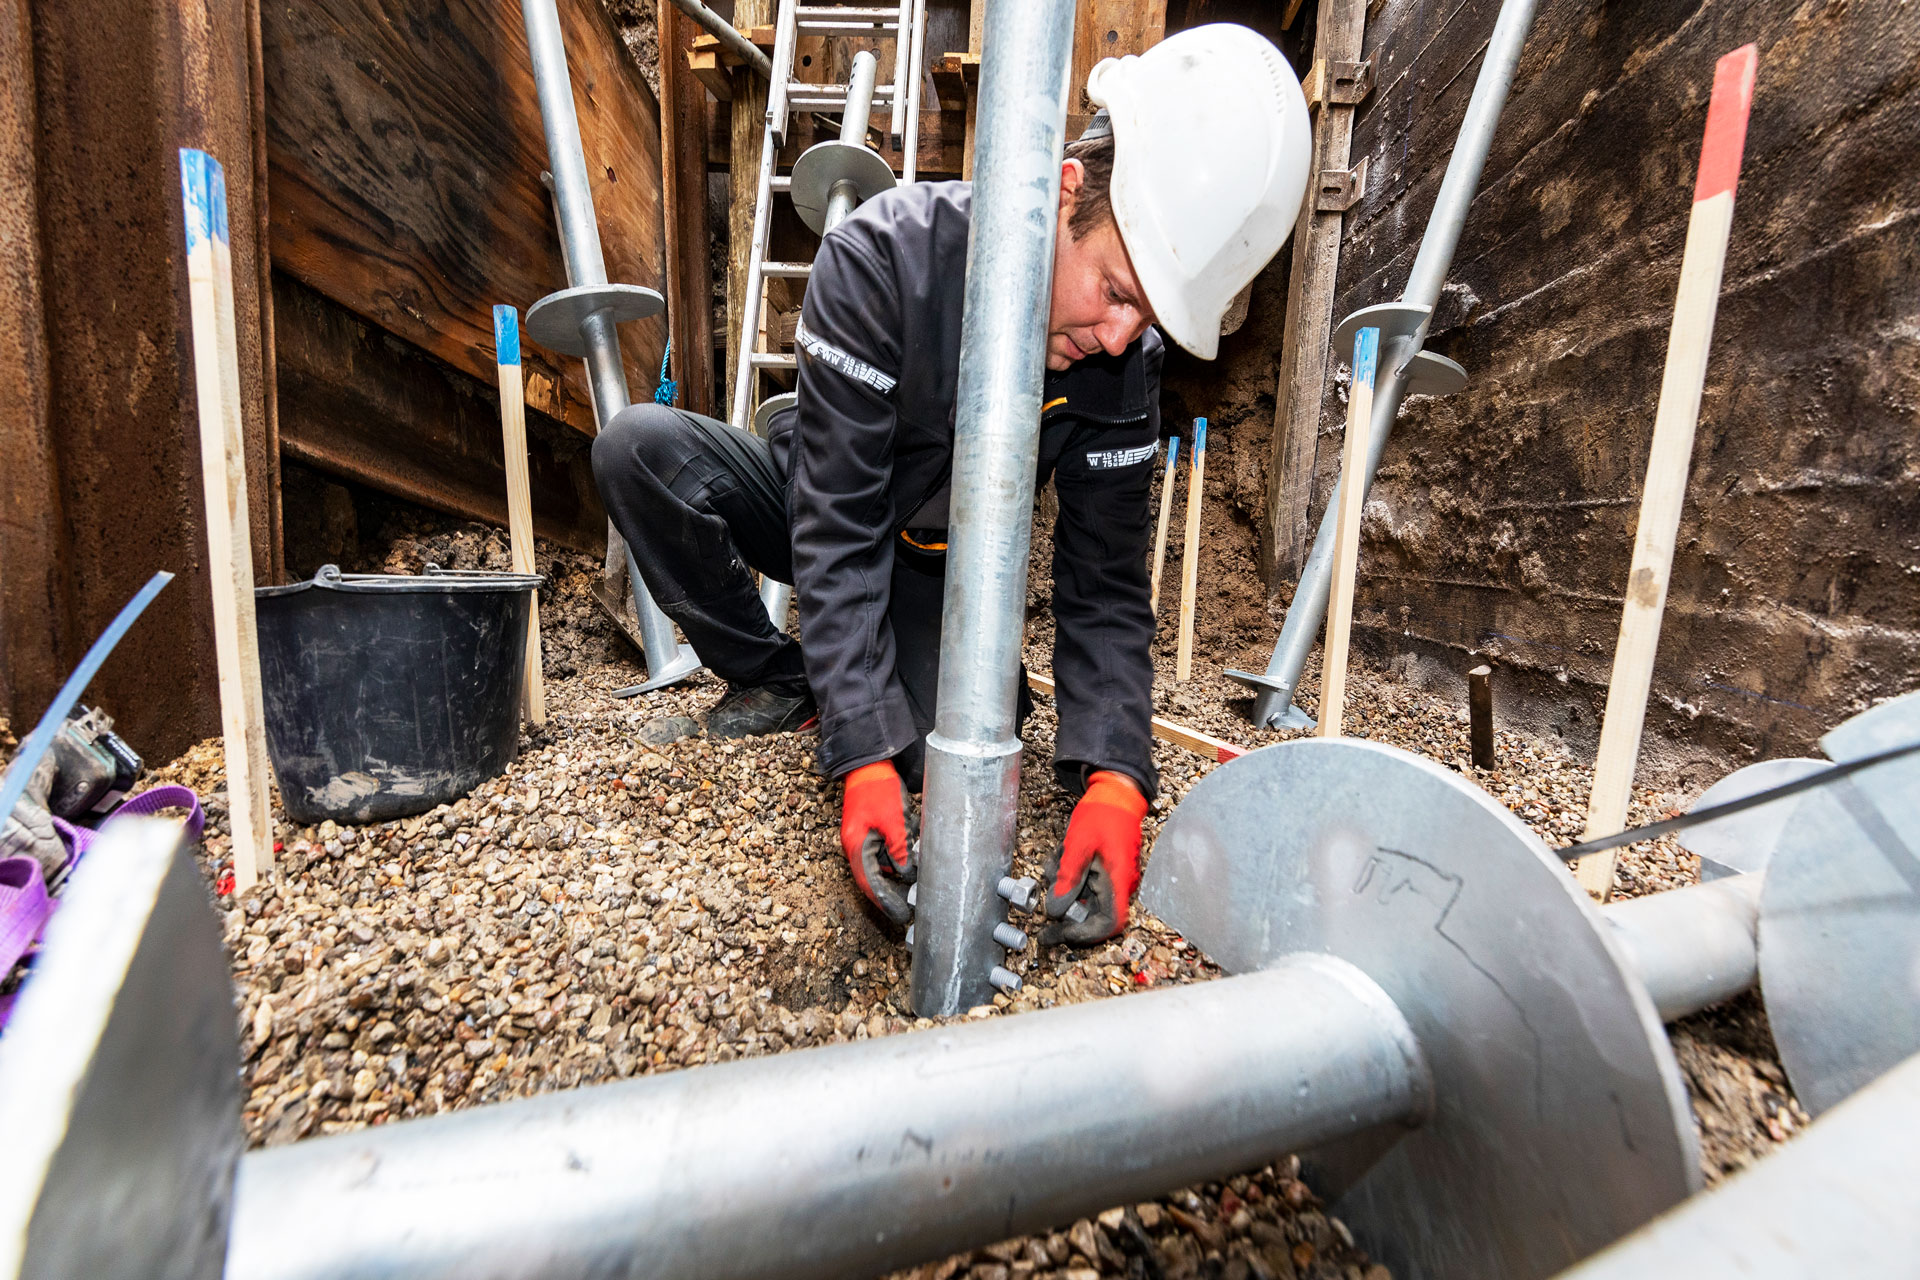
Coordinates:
<point>1173,452</point>
<point>41,739</point>
<point>1199,436</point>
<point>506,335</point>
<point>1366,356</point>
<point>203,191</point>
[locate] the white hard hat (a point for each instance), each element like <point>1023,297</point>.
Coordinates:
<point>1211,150</point>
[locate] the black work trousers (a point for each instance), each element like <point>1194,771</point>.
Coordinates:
<point>703,508</point>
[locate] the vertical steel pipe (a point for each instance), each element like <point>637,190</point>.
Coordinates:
<point>586,265</point>
<point>1309,609</point>
<point>853,131</point>
<point>850,1160</point>
<point>973,754</point>
<point>1692,947</point>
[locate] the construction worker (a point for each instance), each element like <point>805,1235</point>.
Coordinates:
<point>1185,185</point>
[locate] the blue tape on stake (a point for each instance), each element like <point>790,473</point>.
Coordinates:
<point>506,335</point>
<point>1199,436</point>
<point>1366,356</point>
<point>1173,452</point>
<point>203,192</point>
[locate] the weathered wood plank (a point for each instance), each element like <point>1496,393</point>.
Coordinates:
<point>683,168</point>
<point>409,425</point>
<point>748,124</point>
<point>1310,293</point>
<point>406,149</point>
<point>1110,29</point>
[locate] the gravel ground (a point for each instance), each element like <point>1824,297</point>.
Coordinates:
<point>606,909</point>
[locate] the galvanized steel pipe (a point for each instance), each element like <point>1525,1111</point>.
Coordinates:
<point>727,34</point>
<point>973,754</point>
<point>1843,1199</point>
<point>586,265</point>
<point>849,1160</point>
<point>1308,612</point>
<point>1692,947</point>
<point>853,131</point>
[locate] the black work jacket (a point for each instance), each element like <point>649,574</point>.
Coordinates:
<point>869,452</point>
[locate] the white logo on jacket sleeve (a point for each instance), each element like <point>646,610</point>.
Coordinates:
<point>1106,459</point>
<point>839,361</point>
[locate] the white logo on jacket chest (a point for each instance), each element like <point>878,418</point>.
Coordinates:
<point>1106,459</point>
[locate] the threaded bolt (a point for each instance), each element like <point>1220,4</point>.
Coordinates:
<point>1009,937</point>
<point>1005,979</point>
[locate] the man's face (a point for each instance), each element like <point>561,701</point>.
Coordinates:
<point>1098,304</point>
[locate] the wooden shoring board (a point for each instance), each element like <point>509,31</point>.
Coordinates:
<point>406,148</point>
<point>683,198</point>
<point>1201,744</point>
<point>1309,328</point>
<point>749,118</point>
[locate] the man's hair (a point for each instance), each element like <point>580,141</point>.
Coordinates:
<point>1093,204</point>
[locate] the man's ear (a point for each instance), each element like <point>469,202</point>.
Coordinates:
<point>1072,175</point>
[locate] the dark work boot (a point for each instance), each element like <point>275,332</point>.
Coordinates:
<point>749,710</point>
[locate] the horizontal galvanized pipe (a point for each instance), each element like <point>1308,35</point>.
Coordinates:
<point>725,32</point>
<point>1843,1199</point>
<point>1692,947</point>
<point>849,1160</point>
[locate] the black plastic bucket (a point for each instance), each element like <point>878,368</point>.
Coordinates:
<point>387,695</point>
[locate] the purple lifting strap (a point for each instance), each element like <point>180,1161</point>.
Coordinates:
<point>25,907</point>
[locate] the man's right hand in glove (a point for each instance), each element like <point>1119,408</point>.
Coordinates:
<point>873,832</point>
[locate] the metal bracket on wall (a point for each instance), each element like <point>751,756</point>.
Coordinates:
<point>1341,84</point>
<point>1340,189</point>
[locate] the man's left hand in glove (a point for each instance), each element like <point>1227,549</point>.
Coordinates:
<point>1099,862</point>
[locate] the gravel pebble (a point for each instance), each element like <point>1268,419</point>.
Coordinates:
<point>608,908</point>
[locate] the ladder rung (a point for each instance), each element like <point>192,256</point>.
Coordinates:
<point>797,89</point>
<point>878,30</point>
<point>848,13</point>
<point>769,360</point>
<point>786,270</point>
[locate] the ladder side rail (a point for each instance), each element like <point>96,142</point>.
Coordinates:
<point>917,72</point>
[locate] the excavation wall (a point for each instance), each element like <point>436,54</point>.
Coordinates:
<point>1503,521</point>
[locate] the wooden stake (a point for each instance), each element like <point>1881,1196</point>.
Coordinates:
<point>1166,514</point>
<point>1190,563</point>
<point>223,469</point>
<point>1201,744</point>
<point>1480,715</point>
<point>1346,542</point>
<point>513,430</point>
<point>1665,492</point>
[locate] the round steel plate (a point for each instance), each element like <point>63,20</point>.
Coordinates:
<point>1392,319</point>
<point>1561,1122</point>
<point>1434,375</point>
<point>119,1075</point>
<point>1840,916</point>
<point>554,321</point>
<point>770,406</point>
<point>825,163</point>
<point>1742,842</point>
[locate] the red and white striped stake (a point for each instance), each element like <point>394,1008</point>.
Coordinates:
<point>223,468</point>
<point>1669,458</point>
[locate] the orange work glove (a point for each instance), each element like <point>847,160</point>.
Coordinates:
<point>1099,861</point>
<point>873,833</point>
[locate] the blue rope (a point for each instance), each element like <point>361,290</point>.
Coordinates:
<point>667,391</point>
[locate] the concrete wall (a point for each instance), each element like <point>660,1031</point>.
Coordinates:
<point>1504,518</point>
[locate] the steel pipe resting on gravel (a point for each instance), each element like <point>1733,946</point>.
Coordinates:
<point>1308,612</point>
<point>587,265</point>
<point>973,754</point>
<point>1692,947</point>
<point>847,1160</point>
